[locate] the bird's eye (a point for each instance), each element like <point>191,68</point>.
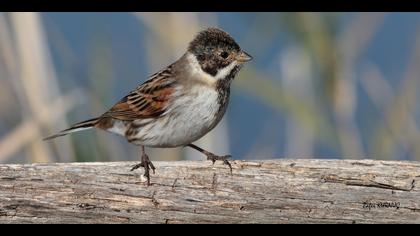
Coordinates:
<point>224,54</point>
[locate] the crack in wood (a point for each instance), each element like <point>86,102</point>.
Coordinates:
<point>361,183</point>
<point>362,164</point>
<point>413,184</point>
<point>86,206</point>
<point>214,183</point>
<point>8,178</point>
<point>174,185</point>
<point>154,201</point>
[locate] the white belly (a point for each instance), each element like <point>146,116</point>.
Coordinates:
<point>189,118</point>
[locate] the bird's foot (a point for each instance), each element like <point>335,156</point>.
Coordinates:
<point>213,158</point>
<point>147,165</point>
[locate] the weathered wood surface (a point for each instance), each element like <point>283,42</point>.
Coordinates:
<point>280,191</point>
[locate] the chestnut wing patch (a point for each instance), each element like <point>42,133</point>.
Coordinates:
<point>147,101</point>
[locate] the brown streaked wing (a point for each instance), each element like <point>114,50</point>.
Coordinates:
<point>147,101</point>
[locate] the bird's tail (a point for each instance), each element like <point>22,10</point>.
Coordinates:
<point>87,124</point>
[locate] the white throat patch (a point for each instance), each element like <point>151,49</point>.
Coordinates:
<point>222,73</point>
<point>197,71</point>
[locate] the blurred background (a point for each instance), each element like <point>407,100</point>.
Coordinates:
<point>321,85</point>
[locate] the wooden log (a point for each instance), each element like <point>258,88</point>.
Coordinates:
<point>274,191</point>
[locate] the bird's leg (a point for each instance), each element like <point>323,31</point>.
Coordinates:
<point>146,164</point>
<point>213,157</point>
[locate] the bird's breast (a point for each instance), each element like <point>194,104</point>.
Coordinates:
<point>190,116</point>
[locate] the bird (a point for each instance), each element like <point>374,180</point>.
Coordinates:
<point>179,104</point>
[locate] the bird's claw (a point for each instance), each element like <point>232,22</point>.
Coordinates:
<point>213,158</point>
<point>147,165</point>
<point>136,166</point>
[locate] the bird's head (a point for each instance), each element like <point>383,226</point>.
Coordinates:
<point>217,53</point>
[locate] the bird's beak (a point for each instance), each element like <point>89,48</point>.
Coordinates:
<point>244,57</point>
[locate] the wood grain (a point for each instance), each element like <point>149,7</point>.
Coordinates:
<point>272,191</point>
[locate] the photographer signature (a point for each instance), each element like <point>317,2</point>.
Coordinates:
<point>370,205</point>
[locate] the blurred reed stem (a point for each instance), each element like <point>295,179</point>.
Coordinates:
<point>399,126</point>
<point>35,79</point>
<point>28,131</point>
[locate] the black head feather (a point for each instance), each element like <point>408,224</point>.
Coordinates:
<point>214,49</point>
<point>213,37</point>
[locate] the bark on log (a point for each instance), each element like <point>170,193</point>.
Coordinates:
<point>277,191</point>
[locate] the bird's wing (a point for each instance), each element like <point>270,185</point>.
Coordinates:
<point>148,100</point>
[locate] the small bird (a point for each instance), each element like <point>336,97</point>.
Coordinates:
<point>179,104</point>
